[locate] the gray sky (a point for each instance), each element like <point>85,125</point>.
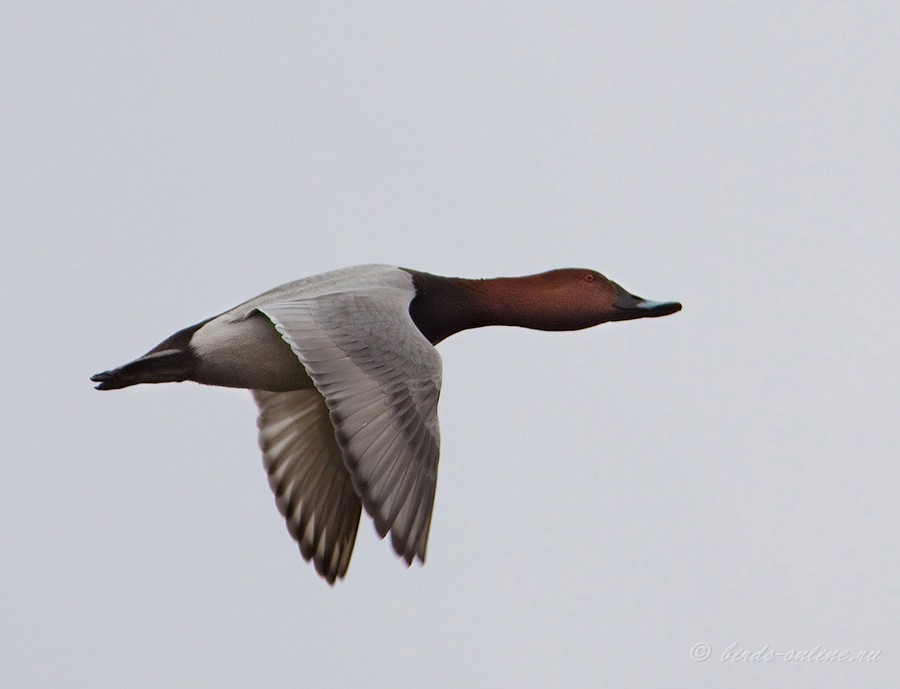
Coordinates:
<point>607,499</point>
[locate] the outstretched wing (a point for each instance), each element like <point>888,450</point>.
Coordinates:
<point>381,381</point>
<point>311,484</point>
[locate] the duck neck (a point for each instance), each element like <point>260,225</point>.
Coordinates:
<point>444,306</point>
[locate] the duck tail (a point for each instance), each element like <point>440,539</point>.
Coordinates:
<point>165,366</point>
<point>171,361</point>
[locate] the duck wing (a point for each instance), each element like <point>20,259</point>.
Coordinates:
<point>381,381</point>
<point>312,487</point>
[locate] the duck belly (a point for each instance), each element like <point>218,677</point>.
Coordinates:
<point>246,353</point>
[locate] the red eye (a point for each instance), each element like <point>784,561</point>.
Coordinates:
<point>589,277</point>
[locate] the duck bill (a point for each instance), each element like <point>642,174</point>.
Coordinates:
<point>630,306</point>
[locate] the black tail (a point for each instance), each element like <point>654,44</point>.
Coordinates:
<point>171,361</point>
<point>166,366</point>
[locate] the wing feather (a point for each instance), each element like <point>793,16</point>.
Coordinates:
<point>381,381</point>
<point>313,490</point>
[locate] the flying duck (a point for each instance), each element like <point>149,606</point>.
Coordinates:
<point>344,371</point>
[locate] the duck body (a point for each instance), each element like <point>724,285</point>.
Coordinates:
<point>343,368</point>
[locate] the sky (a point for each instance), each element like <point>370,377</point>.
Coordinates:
<point>646,503</point>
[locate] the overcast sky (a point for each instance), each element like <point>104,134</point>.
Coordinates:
<point>607,499</point>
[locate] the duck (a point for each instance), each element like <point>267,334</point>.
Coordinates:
<point>346,377</point>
